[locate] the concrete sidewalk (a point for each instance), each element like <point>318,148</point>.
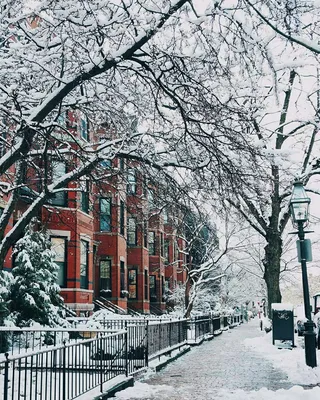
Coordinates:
<point>223,363</point>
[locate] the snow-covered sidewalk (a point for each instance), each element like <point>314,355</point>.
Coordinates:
<point>241,364</point>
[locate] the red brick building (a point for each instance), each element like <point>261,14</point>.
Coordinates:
<point>111,242</point>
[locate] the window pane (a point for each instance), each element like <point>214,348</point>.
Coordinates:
<point>152,247</point>
<point>132,232</point>
<point>58,170</point>
<point>105,269</point>
<point>105,223</point>
<point>61,274</point>
<point>153,292</point>
<point>122,277</point>
<point>105,205</point>
<point>105,277</point>
<point>132,280</point>
<point>58,247</point>
<point>146,285</point>
<point>131,186</point>
<point>84,247</point>
<point>105,214</point>
<point>84,252</point>
<point>121,217</point>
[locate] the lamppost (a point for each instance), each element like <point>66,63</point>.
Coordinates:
<point>299,207</point>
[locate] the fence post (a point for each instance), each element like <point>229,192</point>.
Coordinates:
<point>101,363</point>
<point>6,377</point>
<point>146,355</point>
<point>126,348</point>
<point>64,380</point>
<point>159,339</point>
<point>170,326</point>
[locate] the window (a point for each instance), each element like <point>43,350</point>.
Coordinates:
<point>132,283</point>
<point>166,288</point>
<point>153,289</point>
<point>106,164</point>
<point>166,250</point>
<point>105,214</point>
<point>58,246</point>
<point>3,141</point>
<point>145,233</point>
<point>83,127</point>
<point>59,168</point>
<point>176,251</point>
<point>161,244</point>
<point>85,197</point>
<point>150,198</point>
<point>62,118</point>
<point>146,284</point>
<point>121,217</point>
<point>121,164</point>
<point>105,278</point>
<point>132,182</point>
<point>165,216</point>
<point>84,253</point>
<point>123,286</point>
<point>152,244</point>
<point>163,288</point>
<point>132,232</point>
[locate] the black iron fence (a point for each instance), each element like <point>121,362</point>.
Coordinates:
<point>65,371</point>
<point>46,364</point>
<point>21,340</point>
<point>165,335</point>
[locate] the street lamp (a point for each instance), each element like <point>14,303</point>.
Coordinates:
<point>299,207</point>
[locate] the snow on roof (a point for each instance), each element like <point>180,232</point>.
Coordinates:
<point>282,306</point>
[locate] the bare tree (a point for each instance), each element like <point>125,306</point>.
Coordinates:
<point>114,62</point>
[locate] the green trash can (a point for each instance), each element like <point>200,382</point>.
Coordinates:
<point>282,322</point>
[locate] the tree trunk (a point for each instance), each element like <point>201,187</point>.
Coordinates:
<point>187,305</point>
<point>273,251</point>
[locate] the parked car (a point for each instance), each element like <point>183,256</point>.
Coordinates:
<point>299,319</point>
<point>300,327</point>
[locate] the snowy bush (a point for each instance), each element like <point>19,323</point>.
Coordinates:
<point>34,292</point>
<point>6,280</point>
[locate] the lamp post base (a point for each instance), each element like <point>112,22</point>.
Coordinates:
<point>310,344</point>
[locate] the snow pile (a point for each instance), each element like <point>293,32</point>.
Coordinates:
<point>282,307</point>
<point>292,362</point>
<point>294,393</point>
<point>143,390</point>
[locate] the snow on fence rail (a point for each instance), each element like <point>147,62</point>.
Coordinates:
<point>72,367</point>
<point>66,371</point>
<point>20,340</point>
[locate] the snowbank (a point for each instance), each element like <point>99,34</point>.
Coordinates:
<point>292,362</point>
<point>294,393</point>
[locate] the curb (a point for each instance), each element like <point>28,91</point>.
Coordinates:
<point>171,359</point>
<point>128,382</point>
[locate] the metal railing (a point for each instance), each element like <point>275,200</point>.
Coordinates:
<point>165,335</point>
<point>76,360</point>
<point>21,340</point>
<point>66,371</point>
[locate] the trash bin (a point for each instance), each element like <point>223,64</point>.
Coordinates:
<point>282,322</point>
